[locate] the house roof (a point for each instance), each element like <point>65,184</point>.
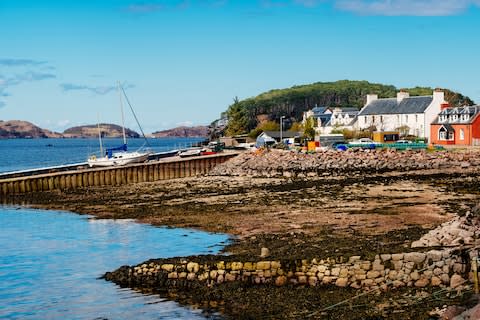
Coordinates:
<point>349,109</point>
<point>472,111</point>
<point>285,134</point>
<point>392,106</point>
<point>448,127</point>
<point>319,110</point>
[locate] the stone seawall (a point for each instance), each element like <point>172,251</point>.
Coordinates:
<point>437,268</point>
<point>289,164</point>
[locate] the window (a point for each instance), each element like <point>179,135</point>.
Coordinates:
<point>462,134</point>
<point>416,118</point>
<point>381,119</point>
<point>444,134</point>
<point>406,118</point>
<point>443,118</point>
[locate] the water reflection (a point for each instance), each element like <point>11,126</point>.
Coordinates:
<point>50,262</point>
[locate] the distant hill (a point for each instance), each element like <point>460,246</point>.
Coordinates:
<point>198,131</point>
<point>24,129</point>
<point>245,115</point>
<point>91,131</point>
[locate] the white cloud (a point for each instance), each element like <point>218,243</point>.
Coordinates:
<point>19,75</point>
<point>406,7</point>
<point>101,90</point>
<point>63,123</point>
<point>185,124</point>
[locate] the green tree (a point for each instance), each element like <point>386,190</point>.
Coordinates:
<point>309,129</point>
<point>264,126</point>
<point>237,119</point>
<point>296,127</point>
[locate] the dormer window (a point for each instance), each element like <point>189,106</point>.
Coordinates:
<point>442,118</point>
<point>464,117</point>
<point>454,117</point>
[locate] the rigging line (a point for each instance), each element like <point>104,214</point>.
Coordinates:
<point>135,116</point>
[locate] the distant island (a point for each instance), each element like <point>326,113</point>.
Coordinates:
<point>108,130</point>
<point>18,129</point>
<point>23,129</point>
<point>198,131</point>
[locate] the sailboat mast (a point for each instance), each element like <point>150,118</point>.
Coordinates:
<point>123,116</point>
<point>135,116</point>
<point>99,134</point>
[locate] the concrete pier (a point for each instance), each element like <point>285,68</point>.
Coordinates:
<point>112,176</point>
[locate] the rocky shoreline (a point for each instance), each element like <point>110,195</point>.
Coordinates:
<point>311,208</point>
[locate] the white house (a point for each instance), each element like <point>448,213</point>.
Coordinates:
<point>328,119</point>
<point>320,114</point>
<point>410,115</point>
<point>343,117</point>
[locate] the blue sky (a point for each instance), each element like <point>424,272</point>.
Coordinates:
<point>184,61</point>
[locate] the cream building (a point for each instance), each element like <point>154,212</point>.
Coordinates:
<point>410,115</point>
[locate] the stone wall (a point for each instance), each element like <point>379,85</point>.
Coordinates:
<point>290,164</point>
<point>445,268</point>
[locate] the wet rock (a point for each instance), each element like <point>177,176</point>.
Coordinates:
<point>341,282</point>
<point>416,257</point>
<point>422,283</point>
<point>456,280</point>
<point>264,252</point>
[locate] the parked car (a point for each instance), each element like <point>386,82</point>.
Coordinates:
<point>363,141</point>
<point>403,141</point>
<point>339,145</point>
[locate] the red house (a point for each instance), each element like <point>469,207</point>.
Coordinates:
<point>456,126</point>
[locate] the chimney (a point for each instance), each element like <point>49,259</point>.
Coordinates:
<point>444,105</point>
<point>439,95</point>
<point>371,98</point>
<point>402,95</point>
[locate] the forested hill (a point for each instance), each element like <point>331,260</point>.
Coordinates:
<point>245,115</point>
<point>198,131</point>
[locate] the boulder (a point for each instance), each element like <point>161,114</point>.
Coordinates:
<point>456,280</point>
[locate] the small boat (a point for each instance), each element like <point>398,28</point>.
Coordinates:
<point>164,154</point>
<point>190,153</point>
<point>207,152</point>
<point>119,156</point>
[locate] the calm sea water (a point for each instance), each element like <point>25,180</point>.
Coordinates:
<point>20,154</point>
<point>50,261</point>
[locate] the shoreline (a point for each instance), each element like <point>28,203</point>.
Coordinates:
<point>294,217</point>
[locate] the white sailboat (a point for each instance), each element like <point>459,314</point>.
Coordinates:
<point>119,156</point>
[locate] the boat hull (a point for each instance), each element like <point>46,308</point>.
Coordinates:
<point>118,159</point>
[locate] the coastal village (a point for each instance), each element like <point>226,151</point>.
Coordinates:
<point>427,119</point>
<point>384,225</point>
<point>240,160</point>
